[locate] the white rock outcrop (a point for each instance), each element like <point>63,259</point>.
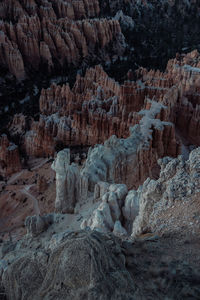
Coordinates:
<point>179,180</point>
<point>67,182</point>
<point>107,215</point>
<point>129,160</point>
<point>138,211</point>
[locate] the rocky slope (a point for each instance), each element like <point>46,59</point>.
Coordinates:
<point>107,267</point>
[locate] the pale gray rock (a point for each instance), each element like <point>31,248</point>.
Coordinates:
<point>67,182</point>
<point>148,196</point>
<point>84,265</point>
<point>116,161</point>
<point>109,210</point>
<point>37,224</point>
<point>130,209</point>
<point>101,218</point>
<point>179,180</point>
<point>100,189</point>
<point>119,230</point>
<point>125,21</point>
<point>114,207</point>
<point>139,209</point>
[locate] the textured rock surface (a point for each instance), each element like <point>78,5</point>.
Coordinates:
<point>9,157</point>
<point>107,215</point>
<point>37,224</point>
<point>150,207</point>
<point>67,182</point>
<point>156,226</point>
<point>98,107</point>
<point>99,273</point>
<point>49,35</point>
<point>107,268</point>
<point>179,87</point>
<point>179,180</point>
<point>129,160</point>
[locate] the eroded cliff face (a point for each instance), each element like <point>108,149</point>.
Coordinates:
<point>154,205</point>
<point>133,184</point>
<point>50,36</point>
<point>123,161</point>
<point>181,84</point>
<point>98,107</point>
<point>12,10</point>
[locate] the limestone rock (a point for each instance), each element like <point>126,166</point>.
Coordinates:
<point>130,160</point>
<point>179,179</point>
<point>100,273</point>
<point>37,224</point>
<point>139,210</point>
<point>67,182</point>
<point>107,215</point>
<point>119,230</point>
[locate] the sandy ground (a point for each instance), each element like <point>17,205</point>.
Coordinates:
<point>20,197</point>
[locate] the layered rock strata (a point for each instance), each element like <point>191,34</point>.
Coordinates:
<point>72,9</point>
<point>179,181</point>
<point>143,210</point>
<point>130,160</point>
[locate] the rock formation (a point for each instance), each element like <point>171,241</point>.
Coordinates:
<point>9,157</point>
<point>98,107</point>
<point>51,35</point>
<point>178,181</point>
<point>107,216</point>
<point>107,267</point>
<point>127,161</point>
<point>37,224</point>
<point>143,210</point>
<point>132,194</point>
<point>130,160</point>
<point>71,9</point>
<point>100,271</point>
<point>67,182</point>
<point>180,83</point>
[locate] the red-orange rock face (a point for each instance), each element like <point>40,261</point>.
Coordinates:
<point>72,9</point>
<point>52,34</point>
<point>179,90</point>
<point>9,157</point>
<point>98,107</point>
